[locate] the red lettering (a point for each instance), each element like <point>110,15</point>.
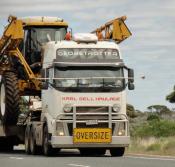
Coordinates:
<point>69,98</point>
<point>91,99</point>
<point>107,98</point>
<point>86,98</point>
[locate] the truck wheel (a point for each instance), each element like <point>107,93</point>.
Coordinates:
<point>33,146</point>
<point>27,141</point>
<point>117,152</point>
<point>7,147</point>
<point>5,144</point>
<point>47,148</point>
<point>9,99</point>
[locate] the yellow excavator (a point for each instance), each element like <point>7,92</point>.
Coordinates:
<point>21,52</point>
<point>113,30</point>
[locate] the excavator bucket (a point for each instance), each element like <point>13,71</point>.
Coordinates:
<point>115,29</point>
<point>120,31</point>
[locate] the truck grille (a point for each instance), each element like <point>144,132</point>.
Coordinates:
<point>92,109</point>
<point>99,109</point>
<point>87,109</point>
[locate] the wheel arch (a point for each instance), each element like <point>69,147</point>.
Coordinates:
<point>49,121</point>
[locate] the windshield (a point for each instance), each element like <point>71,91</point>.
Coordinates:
<point>40,36</point>
<point>89,78</point>
<point>50,34</point>
<point>36,37</point>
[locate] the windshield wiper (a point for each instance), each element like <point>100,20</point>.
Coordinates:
<point>113,85</point>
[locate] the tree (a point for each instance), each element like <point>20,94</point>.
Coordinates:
<point>159,109</point>
<point>171,96</point>
<point>153,117</point>
<point>131,111</point>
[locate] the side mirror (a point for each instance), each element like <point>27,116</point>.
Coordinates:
<point>44,75</point>
<point>131,86</point>
<point>44,85</point>
<point>130,75</point>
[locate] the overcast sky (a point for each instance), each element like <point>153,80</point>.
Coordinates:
<point>150,50</point>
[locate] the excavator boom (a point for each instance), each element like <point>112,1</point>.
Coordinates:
<point>9,43</point>
<point>115,29</point>
<point>10,40</point>
<point>12,35</point>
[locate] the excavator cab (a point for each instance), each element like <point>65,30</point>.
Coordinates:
<point>37,32</point>
<point>35,39</point>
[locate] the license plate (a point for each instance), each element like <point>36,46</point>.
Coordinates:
<point>91,122</point>
<point>92,135</point>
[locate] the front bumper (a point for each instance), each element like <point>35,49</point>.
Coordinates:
<point>67,142</point>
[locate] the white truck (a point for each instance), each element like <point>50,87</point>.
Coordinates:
<point>83,99</point>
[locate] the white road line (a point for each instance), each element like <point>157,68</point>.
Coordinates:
<point>78,165</point>
<point>151,158</point>
<point>16,158</point>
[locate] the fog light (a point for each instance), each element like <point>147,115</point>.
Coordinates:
<point>61,133</point>
<point>116,107</point>
<point>67,108</point>
<point>121,133</point>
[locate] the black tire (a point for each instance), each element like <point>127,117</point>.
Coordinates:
<point>48,150</point>
<point>27,141</point>
<point>6,145</point>
<point>34,149</point>
<point>7,148</point>
<point>117,152</point>
<point>9,99</point>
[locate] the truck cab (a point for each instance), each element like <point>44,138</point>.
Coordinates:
<point>84,96</point>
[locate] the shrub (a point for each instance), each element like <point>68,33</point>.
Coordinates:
<point>131,111</point>
<point>154,147</point>
<point>152,117</point>
<point>156,128</point>
<point>170,145</point>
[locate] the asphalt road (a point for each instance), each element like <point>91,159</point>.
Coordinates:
<point>72,158</point>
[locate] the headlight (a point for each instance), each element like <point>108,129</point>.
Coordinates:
<point>67,108</point>
<point>59,129</point>
<point>121,129</point>
<point>116,107</point>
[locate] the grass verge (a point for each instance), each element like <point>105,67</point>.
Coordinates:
<point>152,145</point>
